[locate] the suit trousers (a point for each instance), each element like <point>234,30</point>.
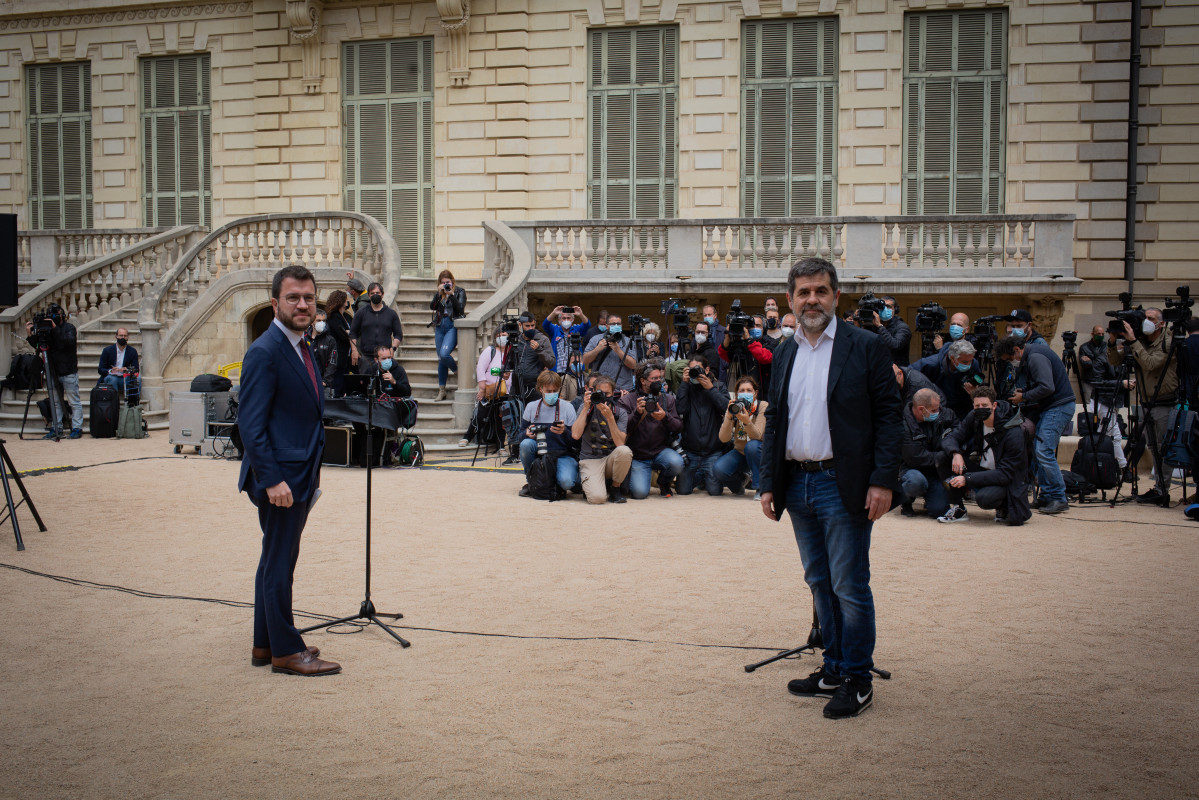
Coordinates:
<point>274,626</point>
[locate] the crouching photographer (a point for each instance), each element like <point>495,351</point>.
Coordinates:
<point>604,459</point>
<point>926,461</point>
<point>990,457</point>
<point>702,400</point>
<point>653,422</point>
<point>744,423</point>
<point>50,332</point>
<point>547,433</point>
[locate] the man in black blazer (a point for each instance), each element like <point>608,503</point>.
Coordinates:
<point>279,418</point>
<point>831,457</point>
<point>122,358</point>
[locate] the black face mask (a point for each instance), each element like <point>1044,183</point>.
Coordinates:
<point>656,387</point>
<point>771,323</point>
<point>376,299</point>
<point>530,333</point>
<point>122,342</point>
<point>981,414</point>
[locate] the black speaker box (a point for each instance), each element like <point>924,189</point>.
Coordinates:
<point>8,259</point>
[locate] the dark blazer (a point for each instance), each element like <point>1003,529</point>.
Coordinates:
<point>279,418</point>
<point>864,415</point>
<point>108,359</point>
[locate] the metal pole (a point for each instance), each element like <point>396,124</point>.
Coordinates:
<point>1134,90</point>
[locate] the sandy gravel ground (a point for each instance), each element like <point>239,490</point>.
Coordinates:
<point>1054,660</point>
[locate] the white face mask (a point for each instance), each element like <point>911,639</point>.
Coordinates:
<point>700,338</point>
<point>788,331</point>
<point>649,337</point>
<point>502,341</point>
<point>320,326</point>
<point>1148,327</point>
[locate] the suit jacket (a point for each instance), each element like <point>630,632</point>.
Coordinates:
<point>108,359</point>
<point>864,415</point>
<point>279,418</point>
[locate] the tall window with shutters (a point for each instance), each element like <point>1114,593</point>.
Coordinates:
<point>789,117</point>
<point>388,118</point>
<point>632,116</point>
<point>177,140</point>
<point>59,144</point>
<point>954,105</point>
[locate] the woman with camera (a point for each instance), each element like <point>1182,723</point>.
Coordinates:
<point>448,304</point>
<point>338,319</point>
<point>493,379</point>
<point>744,423</point>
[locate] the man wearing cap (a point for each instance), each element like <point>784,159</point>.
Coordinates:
<point>1019,324</point>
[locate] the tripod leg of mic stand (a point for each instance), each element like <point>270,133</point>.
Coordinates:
<point>777,657</point>
<point>16,476</point>
<point>403,642</point>
<point>12,510</point>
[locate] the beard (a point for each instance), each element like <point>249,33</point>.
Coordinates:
<point>297,321</point>
<point>814,319</point>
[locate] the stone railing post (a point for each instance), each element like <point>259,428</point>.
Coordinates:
<point>685,245</point>
<point>151,368</point>
<point>863,245</point>
<point>1053,249</point>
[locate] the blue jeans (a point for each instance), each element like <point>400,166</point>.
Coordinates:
<point>916,484</point>
<point>732,465</point>
<point>446,337</point>
<point>697,467</point>
<point>118,382</point>
<point>835,549</point>
<point>568,467</point>
<point>70,388</point>
<point>1050,428</point>
<point>667,462</point>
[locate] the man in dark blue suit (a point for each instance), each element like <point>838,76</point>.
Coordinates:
<point>279,417</point>
<point>831,457</point>
<point>119,360</point>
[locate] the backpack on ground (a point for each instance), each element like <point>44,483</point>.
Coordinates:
<point>131,425</point>
<point>543,478</point>
<point>211,383</point>
<point>1095,461</point>
<point>512,409</point>
<point>43,406</point>
<point>1076,485</point>
<point>104,411</point>
<point>24,373</point>
<point>1180,446</point>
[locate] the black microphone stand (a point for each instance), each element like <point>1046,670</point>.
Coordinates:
<point>815,640</point>
<point>367,610</point>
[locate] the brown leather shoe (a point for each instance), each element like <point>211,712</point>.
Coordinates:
<point>261,656</point>
<point>304,663</point>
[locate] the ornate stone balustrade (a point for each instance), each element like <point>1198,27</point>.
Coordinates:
<point>44,253</point>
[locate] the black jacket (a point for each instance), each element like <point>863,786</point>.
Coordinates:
<point>923,442</point>
<point>454,305</point>
<point>896,335</point>
<point>527,363</point>
<point>864,416</point>
<point>702,411</point>
<point>108,359</point>
<point>324,354</point>
<point>399,386</point>
<point>913,381</point>
<point>339,327</point>
<point>1010,444</point>
<point>1043,379</point>
<point>948,380</point>
<point>64,349</point>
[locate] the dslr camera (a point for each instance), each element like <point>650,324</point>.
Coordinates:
<point>930,318</point>
<point>651,400</point>
<point>868,306</point>
<point>599,397</point>
<point>1135,317</point>
<point>539,429</point>
<point>737,406</point>
<point>737,321</point>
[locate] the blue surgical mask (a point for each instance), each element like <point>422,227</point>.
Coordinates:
<point>962,367</point>
<point>603,328</point>
<point>386,363</point>
<point>956,332</point>
<point>551,398</point>
<point>932,417</point>
<point>886,314</point>
<point>755,333</point>
<point>674,347</point>
<point>746,397</point>
<point>613,329</point>
<point>710,320</point>
<point>1018,333</point>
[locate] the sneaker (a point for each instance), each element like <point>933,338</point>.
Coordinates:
<point>738,487</point>
<point>615,495</point>
<point>524,491</point>
<point>52,435</point>
<point>758,496</point>
<point>1154,497</point>
<point>852,697</point>
<point>464,442</point>
<point>76,433</point>
<point>510,460</point>
<point>906,510</point>
<point>1054,507</point>
<point>820,683</point>
<point>955,513</point>
<point>1001,516</point>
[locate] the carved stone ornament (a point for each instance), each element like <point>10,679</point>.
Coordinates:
<point>1046,312</point>
<point>455,21</point>
<point>304,19</point>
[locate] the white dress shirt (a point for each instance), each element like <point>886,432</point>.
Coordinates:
<point>120,362</point>
<point>808,437</point>
<point>293,337</point>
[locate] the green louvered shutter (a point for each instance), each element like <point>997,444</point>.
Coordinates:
<point>955,98</point>
<point>177,140</point>
<point>388,114</point>
<point>59,137</point>
<point>789,117</point>
<point>632,108</point>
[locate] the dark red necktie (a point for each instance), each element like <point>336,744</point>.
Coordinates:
<point>311,370</point>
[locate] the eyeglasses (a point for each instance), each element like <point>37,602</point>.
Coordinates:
<point>294,299</point>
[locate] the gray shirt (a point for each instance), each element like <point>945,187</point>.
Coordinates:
<point>597,442</point>
<point>610,364</point>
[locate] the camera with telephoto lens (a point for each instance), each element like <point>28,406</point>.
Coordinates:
<point>694,374</point>
<point>1135,317</point>
<point>676,444</point>
<point>576,342</point>
<point>737,407</point>
<point>539,429</point>
<point>868,306</point>
<point>930,318</point>
<point>510,324</point>
<point>651,400</point>
<point>1178,311</point>
<point>737,321</point>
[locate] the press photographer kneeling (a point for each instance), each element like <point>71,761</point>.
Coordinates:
<point>604,459</point>
<point>653,422</point>
<point>990,457</point>
<point>926,461</point>
<point>744,423</point>
<point>547,433</point>
<point>702,400</point>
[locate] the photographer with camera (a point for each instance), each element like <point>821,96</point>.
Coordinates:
<point>566,326</point>
<point>604,458</point>
<point>744,423</point>
<point>1157,375</point>
<point>926,462</point>
<point>1045,397</point>
<point>609,354</point>
<point>990,458</point>
<point>1019,325</point>
<point>548,432</point>
<point>881,316</point>
<point>598,329</point>
<point>959,328</point>
<point>448,304</point>
<point>49,332</point>
<point>118,363</point>
<point>742,352</point>
<point>393,380</point>
<point>530,352</point>
<point>653,422</point>
<point>653,341</point>
<point>701,402</point>
<point>955,373</point>
<point>1093,363</point>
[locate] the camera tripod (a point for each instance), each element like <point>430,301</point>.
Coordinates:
<point>55,401</point>
<point>815,640</point>
<point>7,469</point>
<point>367,610</point>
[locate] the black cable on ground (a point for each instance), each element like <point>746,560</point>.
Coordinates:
<point>242,604</point>
<point>31,473</point>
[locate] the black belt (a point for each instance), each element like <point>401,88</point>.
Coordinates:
<point>814,466</point>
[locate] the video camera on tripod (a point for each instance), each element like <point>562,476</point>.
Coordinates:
<point>510,323</point>
<point>1135,317</point>
<point>737,322</point>
<point>44,323</point>
<point>930,320</point>
<point>868,306</point>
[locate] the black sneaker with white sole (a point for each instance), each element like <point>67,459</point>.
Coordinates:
<point>852,697</point>
<point>820,683</point>
<point>955,513</point>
